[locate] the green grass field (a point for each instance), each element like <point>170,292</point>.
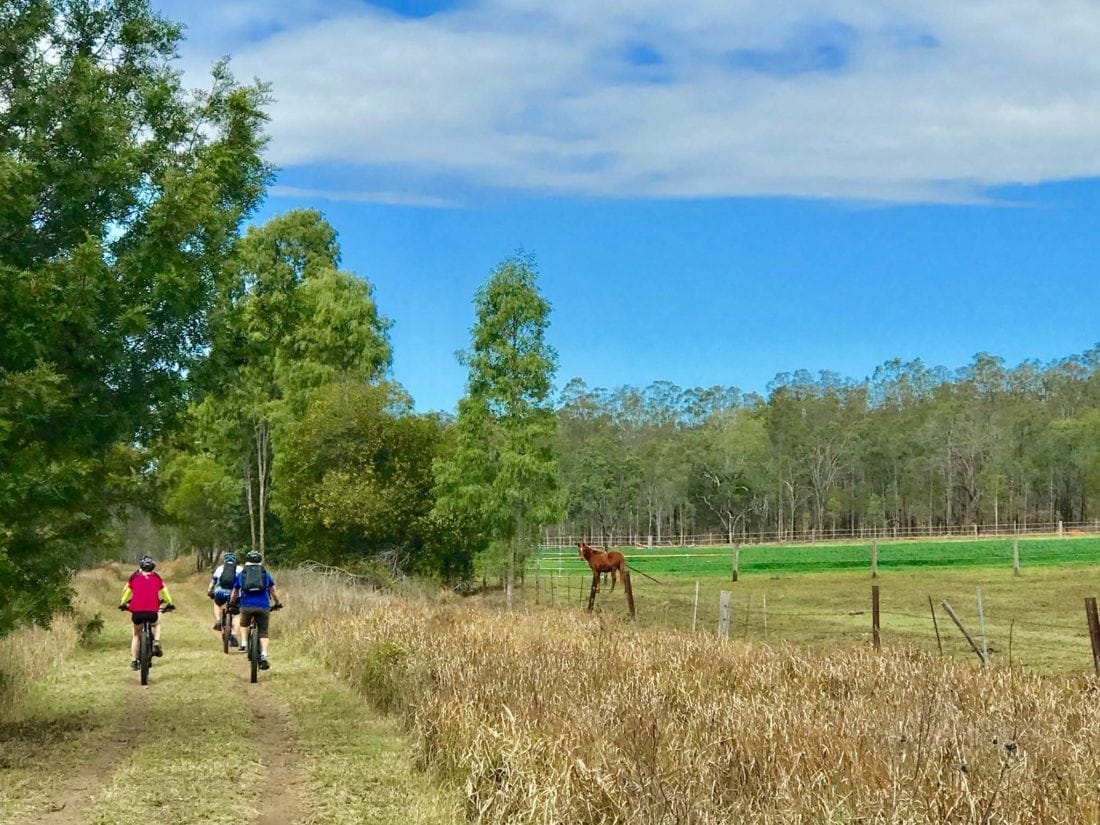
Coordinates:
<point>821,595</point>
<point>901,555</point>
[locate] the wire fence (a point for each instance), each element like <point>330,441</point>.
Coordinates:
<point>629,538</point>
<point>1027,623</point>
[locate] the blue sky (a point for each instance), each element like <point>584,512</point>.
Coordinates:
<point>715,191</point>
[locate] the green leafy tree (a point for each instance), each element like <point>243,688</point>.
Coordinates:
<point>501,473</point>
<point>202,502</point>
<point>289,321</point>
<point>120,195</point>
<point>356,478</point>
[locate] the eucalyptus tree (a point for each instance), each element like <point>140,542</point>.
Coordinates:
<point>501,471</point>
<point>289,320</point>
<point>730,474</point>
<point>121,197</point>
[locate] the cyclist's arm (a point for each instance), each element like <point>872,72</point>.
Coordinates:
<point>164,596</point>
<point>127,594</point>
<point>235,596</point>
<point>273,593</point>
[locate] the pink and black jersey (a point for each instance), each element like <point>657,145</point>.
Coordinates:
<point>145,591</point>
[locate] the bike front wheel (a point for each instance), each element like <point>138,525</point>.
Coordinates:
<point>145,652</point>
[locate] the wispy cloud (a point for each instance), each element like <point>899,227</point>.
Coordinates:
<point>896,101</point>
<point>351,196</point>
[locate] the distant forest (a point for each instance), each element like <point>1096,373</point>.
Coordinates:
<point>911,447</point>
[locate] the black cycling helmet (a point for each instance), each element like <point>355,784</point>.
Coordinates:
<point>254,557</point>
<point>230,558</point>
<point>146,563</point>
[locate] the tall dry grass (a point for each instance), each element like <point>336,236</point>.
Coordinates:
<point>28,654</point>
<point>555,717</point>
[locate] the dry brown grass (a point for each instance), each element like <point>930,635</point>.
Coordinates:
<point>27,654</point>
<point>556,716</point>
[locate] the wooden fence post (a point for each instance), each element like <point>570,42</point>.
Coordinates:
<point>935,625</point>
<point>981,628</point>
<point>592,592</point>
<point>695,611</point>
<point>765,618</point>
<point>1015,557</point>
<point>736,560</point>
<point>537,566</point>
<point>874,616</point>
<point>724,614</point>
<point>1094,631</point>
<point>874,560</point>
<point>969,638</point>
<point>629,588</point>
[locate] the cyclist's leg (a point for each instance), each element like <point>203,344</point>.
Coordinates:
<point>221,598</point>
<point>135,640</point>
<point>245,618</point>
<point>263,618</point>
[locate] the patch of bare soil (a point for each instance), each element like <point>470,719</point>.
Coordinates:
<point>281,799</point>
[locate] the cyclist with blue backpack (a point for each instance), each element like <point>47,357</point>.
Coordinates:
<point>254,595</point>
<point>221,587</point>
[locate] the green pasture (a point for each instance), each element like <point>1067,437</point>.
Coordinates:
<point>821,595</point>
<point>900,555</point>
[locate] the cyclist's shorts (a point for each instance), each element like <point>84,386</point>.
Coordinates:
<point>262,615</point>
<point>143,616</point>
<point>220,596</point>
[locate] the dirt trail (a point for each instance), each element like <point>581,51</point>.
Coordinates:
<point>279,755</point>
<point>201,744</point>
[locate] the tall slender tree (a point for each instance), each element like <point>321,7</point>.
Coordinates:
<point>501,473</point>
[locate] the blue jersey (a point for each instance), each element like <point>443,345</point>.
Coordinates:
<point>254,599</point>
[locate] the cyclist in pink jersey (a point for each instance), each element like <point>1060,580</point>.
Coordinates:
<point>144,593</point>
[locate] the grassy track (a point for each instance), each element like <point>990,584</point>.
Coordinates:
<point>200,744</point>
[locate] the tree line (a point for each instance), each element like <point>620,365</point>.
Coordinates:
<point>910,447</point>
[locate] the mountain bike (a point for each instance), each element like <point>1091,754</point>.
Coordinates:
<point>252,646</point>
<point>145,645</point>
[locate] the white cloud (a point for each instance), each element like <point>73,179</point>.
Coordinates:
<point>841,99</point>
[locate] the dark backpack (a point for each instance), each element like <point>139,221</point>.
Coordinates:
<point>253,578</point>
<point>228,576</point>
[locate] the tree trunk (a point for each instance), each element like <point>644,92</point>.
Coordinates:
<point>247,465</point>
<point>511,575</point>
<point>263,473</point>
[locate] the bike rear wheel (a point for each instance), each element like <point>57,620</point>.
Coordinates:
<point>253,652</point>
<point>227,628</point>
<point>145,651</point>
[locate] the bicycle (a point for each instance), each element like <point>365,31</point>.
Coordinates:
<point>252,646</point>
<point>145,645</point>
<point>227,630</point>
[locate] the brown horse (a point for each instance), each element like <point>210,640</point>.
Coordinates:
<point>612,562</point>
